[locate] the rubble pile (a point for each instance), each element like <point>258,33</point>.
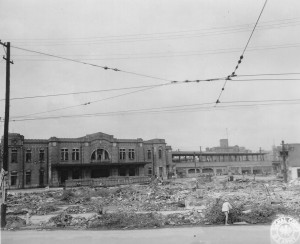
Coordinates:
<point>126,220</point>
<point>173,203</point>
<point>14,222</point>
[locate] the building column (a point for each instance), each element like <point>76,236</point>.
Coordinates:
<point>251,170</point>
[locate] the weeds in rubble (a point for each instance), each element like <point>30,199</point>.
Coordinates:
<point>214,214</point>
<point>263,213</point>
<point>67,195</point>
<point>126,220</point>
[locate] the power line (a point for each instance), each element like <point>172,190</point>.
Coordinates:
<point>135,87</point>
<point>101,100</point>
<point>90,64</point>
<point>166,35</point>
<point>156,33</point>
<point>179,108</point>
<point>242,56</point>
<point>113,97</point>
<point>270,74</point>
<point>88,103</point>
<point>81,92</point>
<point>285,79</point>
<point>175,54</point>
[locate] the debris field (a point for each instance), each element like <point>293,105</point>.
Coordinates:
<point>159,204</point>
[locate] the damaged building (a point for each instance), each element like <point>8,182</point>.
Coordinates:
<point>38,163</point>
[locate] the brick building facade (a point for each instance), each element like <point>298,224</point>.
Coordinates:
<point>37,163</point>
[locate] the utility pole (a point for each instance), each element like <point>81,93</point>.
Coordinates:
<point>6,126</point>
<point>284,154</point>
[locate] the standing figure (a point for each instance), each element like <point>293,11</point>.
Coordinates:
<point>225,209</point>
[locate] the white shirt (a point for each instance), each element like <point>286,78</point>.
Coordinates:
<point>226,207</point>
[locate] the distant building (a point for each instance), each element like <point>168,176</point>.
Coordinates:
<point>221,160</point>
<point>224,147</point>
<point>40,162</point>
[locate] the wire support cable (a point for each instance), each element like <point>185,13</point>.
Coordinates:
<point>242,55</point>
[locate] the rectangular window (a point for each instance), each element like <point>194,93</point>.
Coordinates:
<point>42,155</point>
<point>28,156</point>
<point>75,154</point>
<point>149,171</point>
<point>64,154</point>
<point>131,154</point>
<point>122,154</point>
<point>149,154</point>
<point>14,156</point>
<point>13,178</point>
<point>159,153</point>
<point>28,178</point>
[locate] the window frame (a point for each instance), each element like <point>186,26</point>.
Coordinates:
<point>28,173</point>
<point>75,154</point>
<point>14,155</point>
<point>13,174</point>
<point>159,153</point>
<point>122,154</point>
<point>149,154</point>
<point>28,155</point>
<point>131,154</point>
<point>41,152</point>
<point>64,154</point>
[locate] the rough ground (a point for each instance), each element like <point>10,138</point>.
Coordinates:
<point>172,203</point>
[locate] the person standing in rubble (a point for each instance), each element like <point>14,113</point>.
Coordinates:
<point>226,207</point>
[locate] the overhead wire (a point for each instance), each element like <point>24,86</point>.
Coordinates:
<point>167,35</point>
<point>242,56</point>
<point>90,102</point>
<point>168,54</point>
<point>90,64</point>
<point>157,33</point>
<point>80,92</point>
<point>136,87</point>
<point>262,79</point>
<point>120,95</point>
<point>178,108</point>
<point>268,74</point>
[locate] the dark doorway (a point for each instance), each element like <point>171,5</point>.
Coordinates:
<point>63,176</point>
<point>100,173</point>
<point>132,171</point>
<point>41,180</point>
<point>298,173</point>
<point>76,174</point>
<point>122,171</point>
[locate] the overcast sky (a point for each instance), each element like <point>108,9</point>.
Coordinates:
<point>171,40</point>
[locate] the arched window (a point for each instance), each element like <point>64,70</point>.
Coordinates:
<point>100,154</point>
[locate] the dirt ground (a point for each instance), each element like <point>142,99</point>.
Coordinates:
<point>178,202</point>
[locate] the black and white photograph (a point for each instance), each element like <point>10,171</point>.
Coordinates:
<point>150,121</point>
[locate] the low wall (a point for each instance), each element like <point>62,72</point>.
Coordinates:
<point>110,181</point>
